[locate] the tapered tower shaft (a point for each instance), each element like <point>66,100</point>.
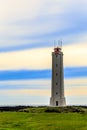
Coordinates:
<point>57,88</point>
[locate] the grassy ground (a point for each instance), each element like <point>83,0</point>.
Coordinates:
<point>37,119</point>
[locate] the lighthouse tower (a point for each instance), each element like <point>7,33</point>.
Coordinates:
<point>57,88</point>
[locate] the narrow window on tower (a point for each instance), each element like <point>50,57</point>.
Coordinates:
<point>56,103</point>
<point>56,65</point>
<point>56,74</point>
<point>56,93</point>
<point>56,55</point>
<point>56,83</point>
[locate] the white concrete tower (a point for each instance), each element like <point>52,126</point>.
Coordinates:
<point>57,88</point>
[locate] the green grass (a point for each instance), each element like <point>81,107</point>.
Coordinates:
<point>37,119</point>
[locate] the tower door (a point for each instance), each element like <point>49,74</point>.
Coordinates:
<point>56,103</point>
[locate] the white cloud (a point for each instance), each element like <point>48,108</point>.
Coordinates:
<point>25,84</point>
<point>39,17</point>
<point>75,92</point>
<point>76,87</point>
<point>75,82</point>
<point>28,59</point>
<point>19,9</point>
<point>73,87</point>
<point>74,55</point>
<point>25,92</point>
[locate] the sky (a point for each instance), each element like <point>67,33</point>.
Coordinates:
<point>27,33</point>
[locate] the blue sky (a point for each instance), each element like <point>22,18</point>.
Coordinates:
<point>27,33</point>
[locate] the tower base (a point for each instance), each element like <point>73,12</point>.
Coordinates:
<point>58,102</point>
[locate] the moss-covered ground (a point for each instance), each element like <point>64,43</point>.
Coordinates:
<point>45,118</point>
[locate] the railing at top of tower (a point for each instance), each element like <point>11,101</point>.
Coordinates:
<point>58,46</point>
